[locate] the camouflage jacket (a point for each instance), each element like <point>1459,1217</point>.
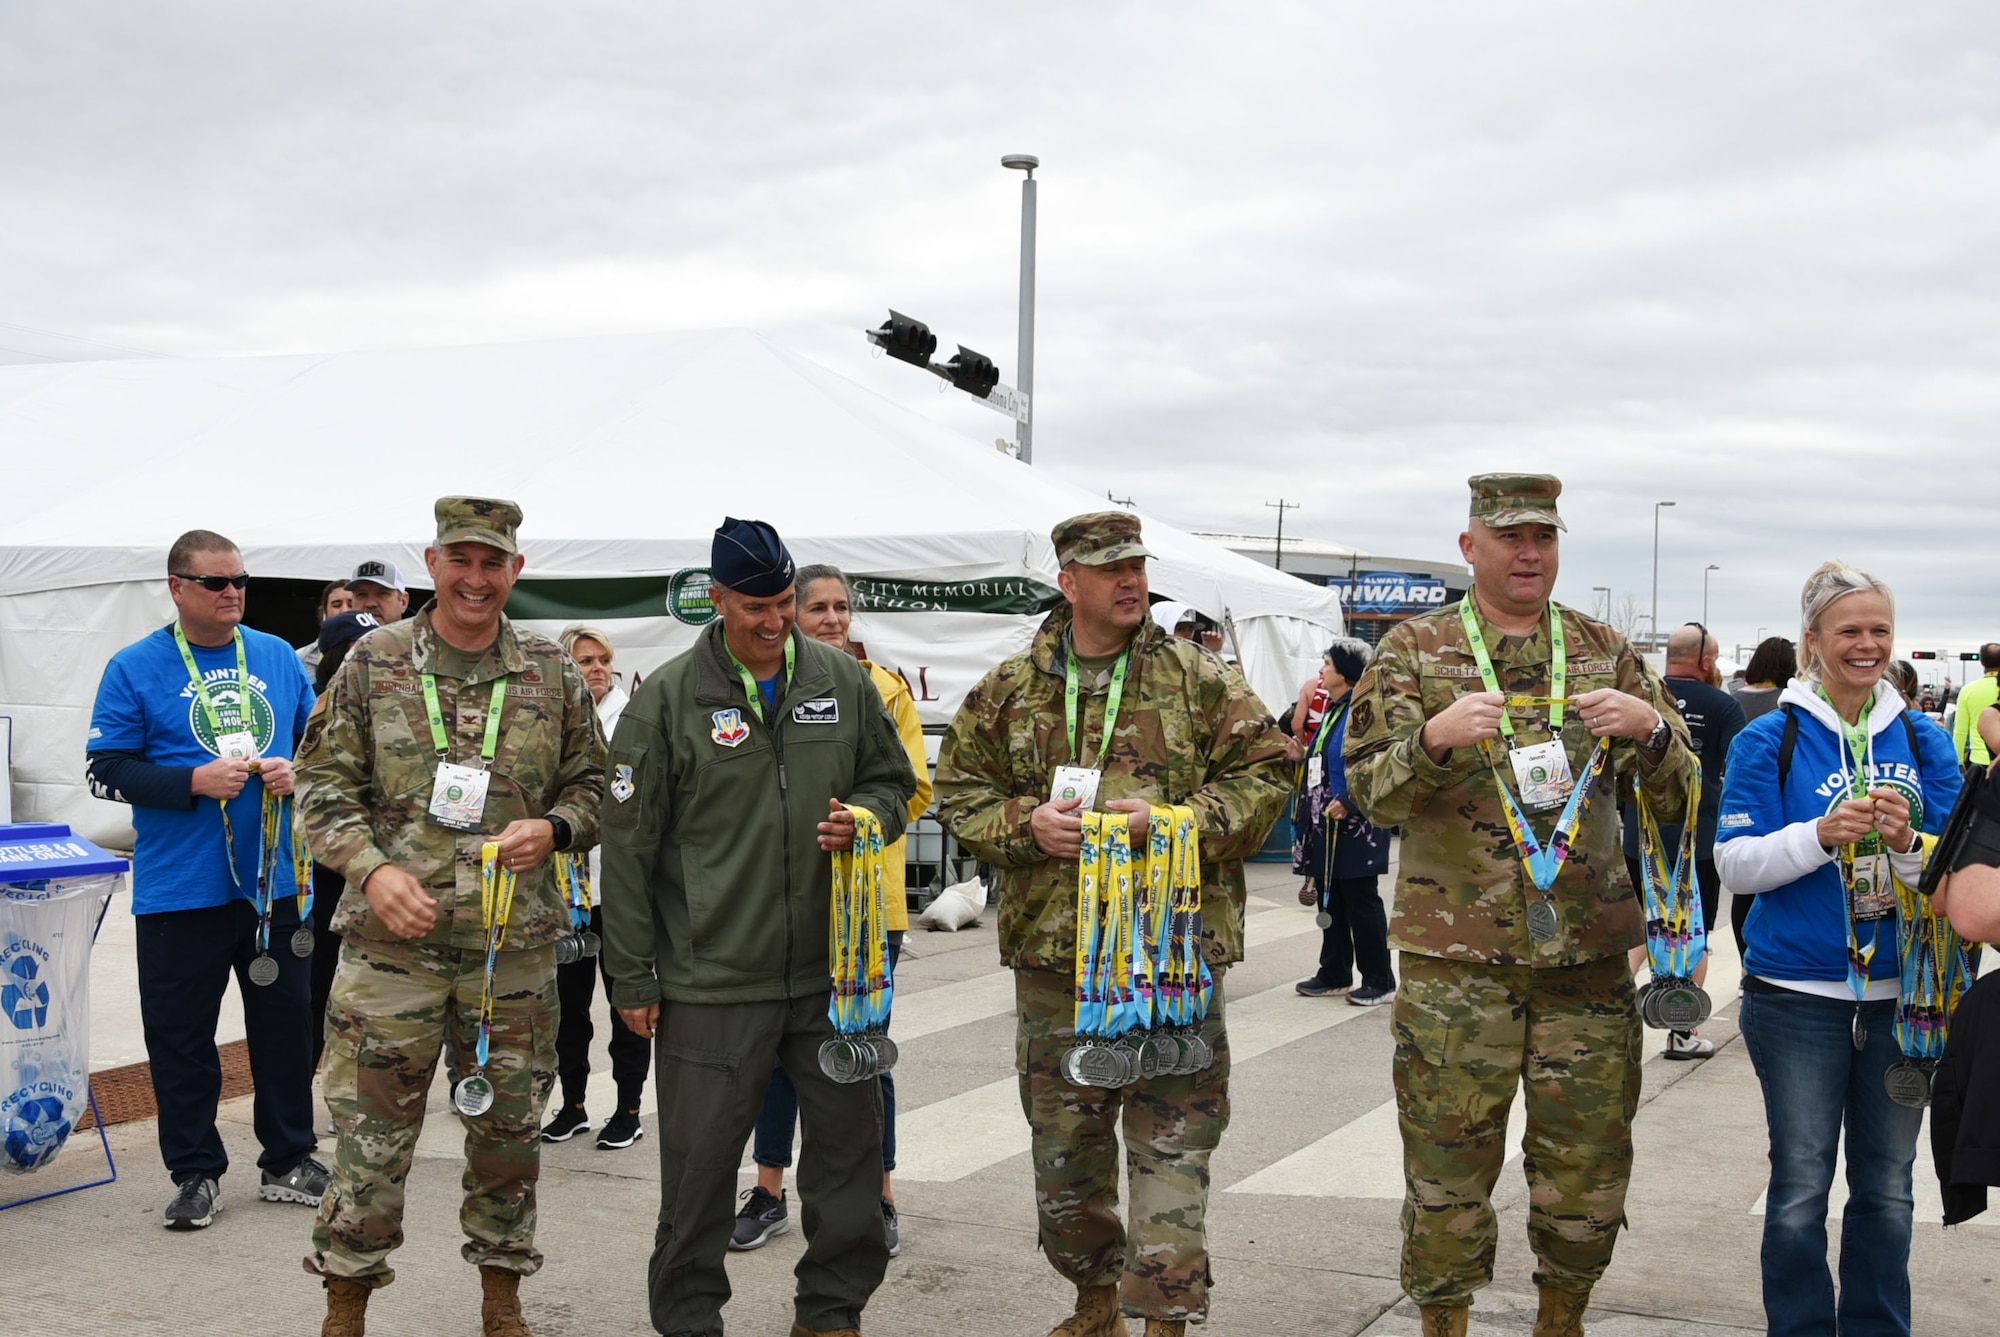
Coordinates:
<point>366,766</point>
<point>1462,892</point>
<point>1190,730</point>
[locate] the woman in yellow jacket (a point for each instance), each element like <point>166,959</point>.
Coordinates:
<point>825,607</point>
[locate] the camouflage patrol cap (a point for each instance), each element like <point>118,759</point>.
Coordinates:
<point>1097,538</point>
<point>487,520</point>
<point>1501,500</point>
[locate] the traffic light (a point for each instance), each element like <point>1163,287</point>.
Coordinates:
<point>906,340</point>
<point>1923,654</point>
<point>973,372</point>
<point>1968,655</point>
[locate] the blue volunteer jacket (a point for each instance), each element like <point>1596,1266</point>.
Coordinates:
<point>1766,840</point>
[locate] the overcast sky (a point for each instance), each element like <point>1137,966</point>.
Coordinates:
<point>1735,256</point>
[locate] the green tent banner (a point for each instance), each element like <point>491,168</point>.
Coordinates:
<point>684,597</point>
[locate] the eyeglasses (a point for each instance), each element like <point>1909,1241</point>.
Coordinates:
<point>217,584</point>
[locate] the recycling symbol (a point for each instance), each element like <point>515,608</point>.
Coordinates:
<point>36,1132</point>
<point>24,998</point>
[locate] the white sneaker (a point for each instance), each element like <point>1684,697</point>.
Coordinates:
<point>1686,1044</point>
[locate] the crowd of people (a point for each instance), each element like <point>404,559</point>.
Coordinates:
<point>406,840</point>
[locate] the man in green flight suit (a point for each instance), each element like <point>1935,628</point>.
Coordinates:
<point>1512,979</point>
<point>441,735</point>
<point>1162,721</point>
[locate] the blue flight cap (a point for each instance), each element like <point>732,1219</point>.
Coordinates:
<point>345,629</point>
<point>748,556</point>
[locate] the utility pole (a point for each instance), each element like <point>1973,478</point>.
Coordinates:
<point>1280,506</point>
<point>1025,340</point>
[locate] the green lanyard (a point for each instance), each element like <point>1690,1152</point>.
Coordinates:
<point>750,687</point>
<point>1558,672</point>
<point>1326,725</point>
<point>442,741</point>
<point>201,688</point>
<point>1857,744</point>
<point>1111,703</point>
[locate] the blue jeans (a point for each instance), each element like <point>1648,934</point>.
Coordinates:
<point>1815,1081</point>
<point>772,1143</point>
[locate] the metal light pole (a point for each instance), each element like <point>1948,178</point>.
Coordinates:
<point>1656,568</point>
<point>1604,590</point>
<point>1704,591</point>
<point>1026,162</point>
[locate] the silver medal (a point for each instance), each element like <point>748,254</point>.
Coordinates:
<point>303,941</point>
<point>1323,920</point>
<point>264,971</point>
<point>1859,1029</point>
<point>1909,1084</point>
<point>1543,924</point>
<point>1681,1005</point>
<point>843,1060</point>
<point>472,1096</point>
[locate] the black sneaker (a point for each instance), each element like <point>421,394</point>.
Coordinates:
<point>889,1230</point>
<point>195,1204</point>
<point>569,1121</point>
<point>620,1130</point>
<point>1370,997</point>
<point>307,1183</point>
<point>763,1217</point>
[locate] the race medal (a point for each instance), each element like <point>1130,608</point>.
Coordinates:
<point>264,971</point>
<point>1909,1084</point>
<point>303,941</point>
<point>1158,1055</point>
<point>1323,920</point>
<point>592,944</point>
<point>1076,782</point>
<point>1543,922</point>
<point>885,1050</point>
<point>1858,1030</point>
<point>473,1095</point>
<point>1542,774</point>
<point>1681,1005</point>
<point>458,796</point>
<point>241,745</point>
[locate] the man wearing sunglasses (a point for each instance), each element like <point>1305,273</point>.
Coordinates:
<point>194,727</point>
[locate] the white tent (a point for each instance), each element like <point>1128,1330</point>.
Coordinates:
<point>625,452</point>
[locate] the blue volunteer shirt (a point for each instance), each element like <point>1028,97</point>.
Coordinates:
<point>147,705</point>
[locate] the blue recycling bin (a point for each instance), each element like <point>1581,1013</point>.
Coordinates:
<point>54,887</point>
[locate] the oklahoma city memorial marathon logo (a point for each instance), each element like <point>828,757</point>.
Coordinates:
<point>228,698</point>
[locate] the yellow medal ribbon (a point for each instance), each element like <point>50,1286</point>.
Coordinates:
<point>1676,939</point>
<point>858,931</point>
<point>496,904</point>
<point>1138,931</point>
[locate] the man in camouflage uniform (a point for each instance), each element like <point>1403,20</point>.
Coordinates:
<point>1487,1006</point>
<point>413,966</point>
<point>1188,730</point>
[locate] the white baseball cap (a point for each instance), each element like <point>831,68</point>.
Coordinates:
<point>386,574</point>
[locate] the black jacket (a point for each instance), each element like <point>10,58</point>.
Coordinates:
<point>1965,1104</point>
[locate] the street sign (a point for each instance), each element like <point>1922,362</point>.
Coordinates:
<point>1007,400</point>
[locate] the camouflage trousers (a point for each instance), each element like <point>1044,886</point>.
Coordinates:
<point>1467,1037</point>
<point>392,1007</point>
<point>1171,1125</point>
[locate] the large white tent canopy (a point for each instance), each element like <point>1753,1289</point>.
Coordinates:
<point>625,452</point>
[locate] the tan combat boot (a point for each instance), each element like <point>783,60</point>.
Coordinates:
<point>1561,1313</point>
<point>1096,1315</point>
<point>1445,1320</point>
<point>346,1308</point>
<point>801,1330</point>
<point>500,1311</point>
<point>1166,1327</point>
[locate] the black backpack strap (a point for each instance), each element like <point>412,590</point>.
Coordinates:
<point>1916,753</point>
<point>1787,746</point>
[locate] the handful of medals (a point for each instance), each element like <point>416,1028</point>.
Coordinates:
<point>1676,937</point>
<point>858,953</point>
<point>1142,987</point>
<point>472,1094</point>
<point>1938,967</point>
<point>573,876</point>
<point>277,817</point>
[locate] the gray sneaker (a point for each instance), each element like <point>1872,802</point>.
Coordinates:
<point>195,1204</point>
<point>306,1184</point>
<point>1370,997</point>
<point>889,1228</point>
<point>762,1219</point>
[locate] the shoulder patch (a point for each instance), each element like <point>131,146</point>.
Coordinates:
<point>622,786</point>
<point>729,730</point>
<point>819,710</point>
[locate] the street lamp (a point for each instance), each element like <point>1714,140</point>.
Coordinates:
<point>1604,590</point>
<point>1704,591</point>
<point>1656,566</point>
<point>1026,162</point>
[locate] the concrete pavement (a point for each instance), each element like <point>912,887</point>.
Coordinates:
<point>1303,1220</point>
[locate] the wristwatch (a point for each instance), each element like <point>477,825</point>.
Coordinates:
<point>561,829</point>
<point>1656,741</point>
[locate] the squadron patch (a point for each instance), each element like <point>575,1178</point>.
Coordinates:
<point>730,730</point>
<point>622,787</point>
<point>819,710</point>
